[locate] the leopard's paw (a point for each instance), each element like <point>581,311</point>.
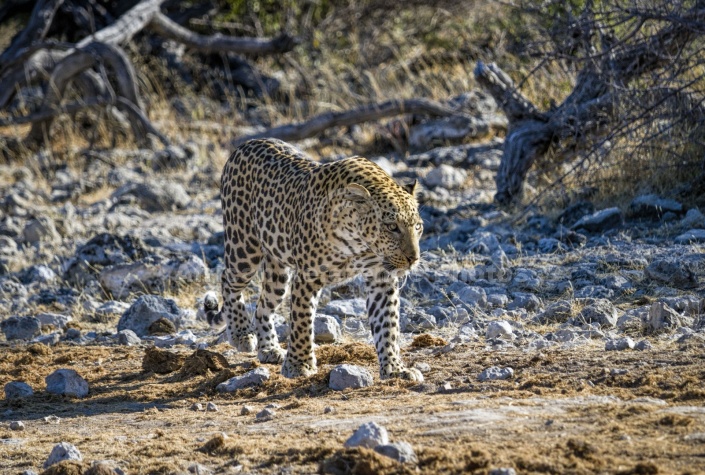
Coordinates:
<point>246,343</point>
<point>409,374</point>
<point>294,369</point>
<point>271,354</point>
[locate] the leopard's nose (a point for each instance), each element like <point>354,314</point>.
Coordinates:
<point>413,259</point>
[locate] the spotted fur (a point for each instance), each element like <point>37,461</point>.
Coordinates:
<point>311,225</point>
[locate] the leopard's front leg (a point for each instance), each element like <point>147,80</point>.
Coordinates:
<point>300,359</point>
<point>383,314</point>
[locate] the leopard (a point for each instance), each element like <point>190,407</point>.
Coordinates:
<point>308,225</point>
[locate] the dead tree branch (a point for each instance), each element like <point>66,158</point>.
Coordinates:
<point>78,62</point>
<point>30,60</point>
<point>127,26</point>
<point>35,70</point>
<point>139,118</point>
<point>368,112</point>
<point>39,23</point>
<point>218,43</point>
<point>39,65</point>
<point>501,87</point>
<point>46,114</point>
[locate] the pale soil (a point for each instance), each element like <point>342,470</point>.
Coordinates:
<point>562,413</point>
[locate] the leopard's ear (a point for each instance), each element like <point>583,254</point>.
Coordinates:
<point>412,188</point>
<point>355,192</point>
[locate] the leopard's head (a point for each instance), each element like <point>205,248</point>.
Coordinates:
<point>381,217</point>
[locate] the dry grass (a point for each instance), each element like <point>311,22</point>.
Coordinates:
<point>356,53</point>
<point>425,340</point>
<point>669,167</point>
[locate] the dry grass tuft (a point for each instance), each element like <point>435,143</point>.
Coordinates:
<point>361,461</point>
<point>468,461</point>
<point>425,340</point>
<point>67,467</point>
<point>101,468</point>
<point>203,361</point>
<point>38,349</point>
<point>161,361</point>
<point>348,353</point>
<point>676,420</point>
<point>162,326</point>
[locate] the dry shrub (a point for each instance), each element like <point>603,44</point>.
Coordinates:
<point>651,140</point>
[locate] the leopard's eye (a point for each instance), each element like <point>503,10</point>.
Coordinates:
<point>419,227</point>
<point>393,227</point>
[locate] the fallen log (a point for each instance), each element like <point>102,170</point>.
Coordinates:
<point>365,113</point>
<point>477,116</point>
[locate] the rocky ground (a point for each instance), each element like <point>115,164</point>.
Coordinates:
<point>558,343</point>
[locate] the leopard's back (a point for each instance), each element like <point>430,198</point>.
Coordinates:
<point>264,183</point>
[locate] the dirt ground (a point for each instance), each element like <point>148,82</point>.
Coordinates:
<point>566,411</point>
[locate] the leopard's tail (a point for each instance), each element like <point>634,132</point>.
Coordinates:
<point>210,307</point>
